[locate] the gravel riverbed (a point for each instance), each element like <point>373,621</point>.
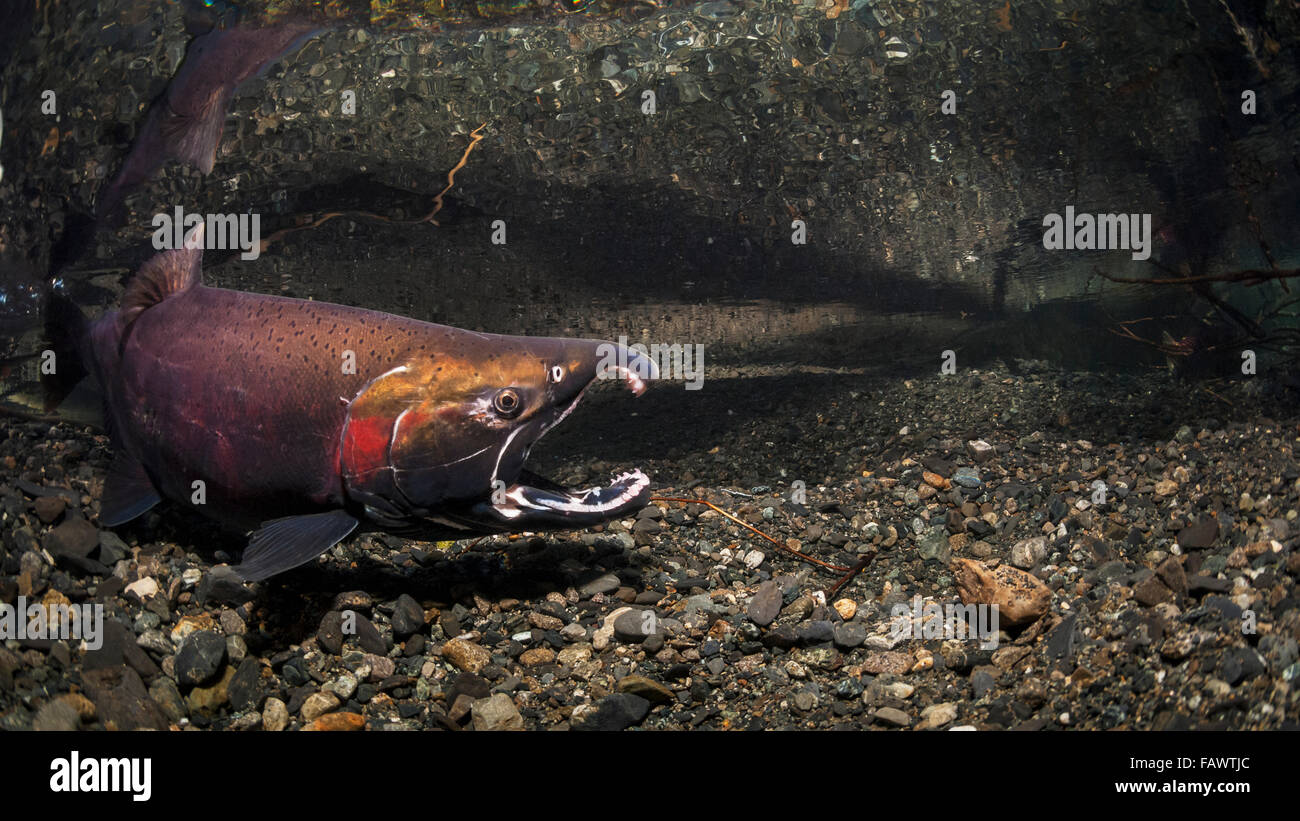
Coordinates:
<point>1171,603</point>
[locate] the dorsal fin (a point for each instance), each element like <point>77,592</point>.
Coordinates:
<point>164,274</point>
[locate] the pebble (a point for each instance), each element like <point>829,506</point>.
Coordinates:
<point>74,536</point>
<point>167,696</point>
<point>937,715</point>
<point>634,626</point>
<point>466,655</point>
<point>765,606</point>
<point>200,658</point>
<point>143,589</point>
<point>849,635</point>
<point>574,655</point>
<point>645,688</point>
<point>892,715</point>
<point>891,661</point>
<point>408,616</point>
<point>1029,553</point>
<point>345,686</point>
<point>607,583</point>
<point>275,716</point>
<point>337,722</point>
<point>537,656</point>
<point>209,700</point>
<point>847,608</point>
<point>49,508</point>
<point>121,701</point>
<point>318,704</point>
<point>933,546</point>
<point>496,713</point>
<point>57,715</point>
<point>614,712</point>
<point>245,688</point>
<point>899,690</point>
<point>980,451</point>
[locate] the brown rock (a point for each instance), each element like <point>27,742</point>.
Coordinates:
<point>648,689</point>
<point>49,508</point>
<point>1020,597</point>
<point>536,656</point>
<point>56,716</point>
<point>466,655</point>
<point>1201,534</point>
<point>936,481</point>
<point>121,701</point>
<point>337,722</point>
<point>74,537</point>
<point>888,661</point>
<point>1171,573</point>
<point>85,707</point>
<point>1152,591</point>
<point>544,622</point>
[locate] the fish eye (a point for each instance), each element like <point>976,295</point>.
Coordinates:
<point>571,6</point>
<point>507,403</point>
<point>557,373</point>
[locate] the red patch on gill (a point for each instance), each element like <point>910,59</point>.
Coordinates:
<point>365,444</point>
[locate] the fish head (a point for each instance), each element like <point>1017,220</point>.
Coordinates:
<point>439,443</point>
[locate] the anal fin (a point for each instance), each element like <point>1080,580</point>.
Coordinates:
<point>128,491</point>
<point>283,544</point>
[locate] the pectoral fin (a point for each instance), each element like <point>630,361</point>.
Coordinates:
<point>283,544</point>
<point>128,491</point>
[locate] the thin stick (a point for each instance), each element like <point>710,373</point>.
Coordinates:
<point>475,138</point>
<point>835,567</point>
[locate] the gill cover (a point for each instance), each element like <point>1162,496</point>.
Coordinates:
<point>413,440</point>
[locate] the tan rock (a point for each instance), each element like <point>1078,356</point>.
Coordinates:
<point>574,654</point>
<point>536,656</point>
<point>1020,597</point>
<point>318,704</point>
<point>275,715</point>
<point>888,661</point>
<point>847,608</point>
<point>466,655</point>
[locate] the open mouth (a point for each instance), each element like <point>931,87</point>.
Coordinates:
<point>628,492</point>
<point>534,502</point>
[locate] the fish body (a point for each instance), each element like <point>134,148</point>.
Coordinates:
<point>301,420</point>
<point>185,123</point>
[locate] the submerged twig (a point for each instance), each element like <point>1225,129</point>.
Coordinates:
<point>476,137</point>
<point>810,559</point>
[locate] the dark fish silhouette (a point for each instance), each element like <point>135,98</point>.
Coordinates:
<point>185,122</point>
<point>301,420</point>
